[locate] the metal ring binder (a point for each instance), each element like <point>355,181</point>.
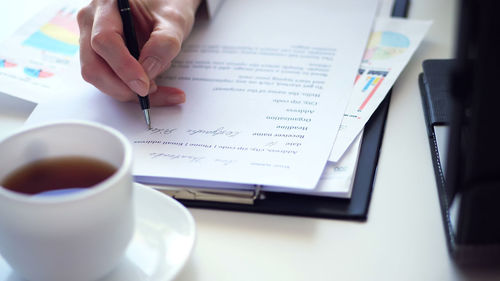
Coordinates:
<point>246,197</point>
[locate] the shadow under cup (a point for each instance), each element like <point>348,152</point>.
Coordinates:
<point>74,236</point>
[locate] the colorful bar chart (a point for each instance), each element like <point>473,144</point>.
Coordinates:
<point>360,72</point>
<point>374,78</point>
<point>37,73</point>
<point>59,35</point>
<point>7,64</point>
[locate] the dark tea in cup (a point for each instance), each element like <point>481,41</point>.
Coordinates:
<point>56,175</point>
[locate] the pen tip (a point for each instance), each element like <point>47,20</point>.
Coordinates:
<point>147,117</point>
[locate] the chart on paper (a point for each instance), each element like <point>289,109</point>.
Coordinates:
<point>385,45</point>
<point>369,80</point>
<point>391,45</point>
<point>36,60</point>
<point>59,35</point>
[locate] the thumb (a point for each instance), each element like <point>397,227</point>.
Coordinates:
<point>162,47</point>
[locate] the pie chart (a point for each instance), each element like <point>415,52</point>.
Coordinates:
<point>386,45</point>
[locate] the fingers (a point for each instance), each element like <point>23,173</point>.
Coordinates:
<point>105,60</point>
<point>152,86</point>
<point>93,68</point>
<point>97,72</point>
<point>165,96</point>
<point>107,42</point>
<point>158,52</point>
<point>173,23</point>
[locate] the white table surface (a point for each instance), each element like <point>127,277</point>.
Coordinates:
<point>403,238</point>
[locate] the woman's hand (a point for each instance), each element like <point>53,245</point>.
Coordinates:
<point>161,27</point>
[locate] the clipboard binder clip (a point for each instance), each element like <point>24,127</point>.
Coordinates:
<point>246,197</point>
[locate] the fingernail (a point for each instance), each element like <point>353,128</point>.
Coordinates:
<point>139,87</point>
<point>152,87</point>
<point>152,66</point>
<point>176,99</point>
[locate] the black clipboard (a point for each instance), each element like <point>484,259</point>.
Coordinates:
<point>434,84</point>
<point>355,208</point>
<point>460,104</point>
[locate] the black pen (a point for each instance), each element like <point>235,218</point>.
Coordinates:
<point>133,47</point>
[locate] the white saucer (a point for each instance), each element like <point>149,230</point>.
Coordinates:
<point>163,240</point>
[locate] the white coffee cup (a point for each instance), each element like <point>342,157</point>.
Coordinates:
<point>76,236</point>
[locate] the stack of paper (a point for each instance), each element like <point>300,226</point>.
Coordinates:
<point>267,83</point>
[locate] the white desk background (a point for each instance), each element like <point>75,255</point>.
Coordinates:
<point>403,238</point>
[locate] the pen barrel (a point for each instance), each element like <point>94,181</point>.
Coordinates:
<point>128,28</point>
<point>144,102</point>
<point>132,46</point>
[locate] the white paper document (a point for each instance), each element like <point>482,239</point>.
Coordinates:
<point>392,44</point>
<point>338,178</point>
<point>266,82</point>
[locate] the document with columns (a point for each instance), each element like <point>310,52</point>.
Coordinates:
<point>267,83</point>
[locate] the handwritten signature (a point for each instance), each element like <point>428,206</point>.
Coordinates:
<point>216,132</point>
<point>171,156</point>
